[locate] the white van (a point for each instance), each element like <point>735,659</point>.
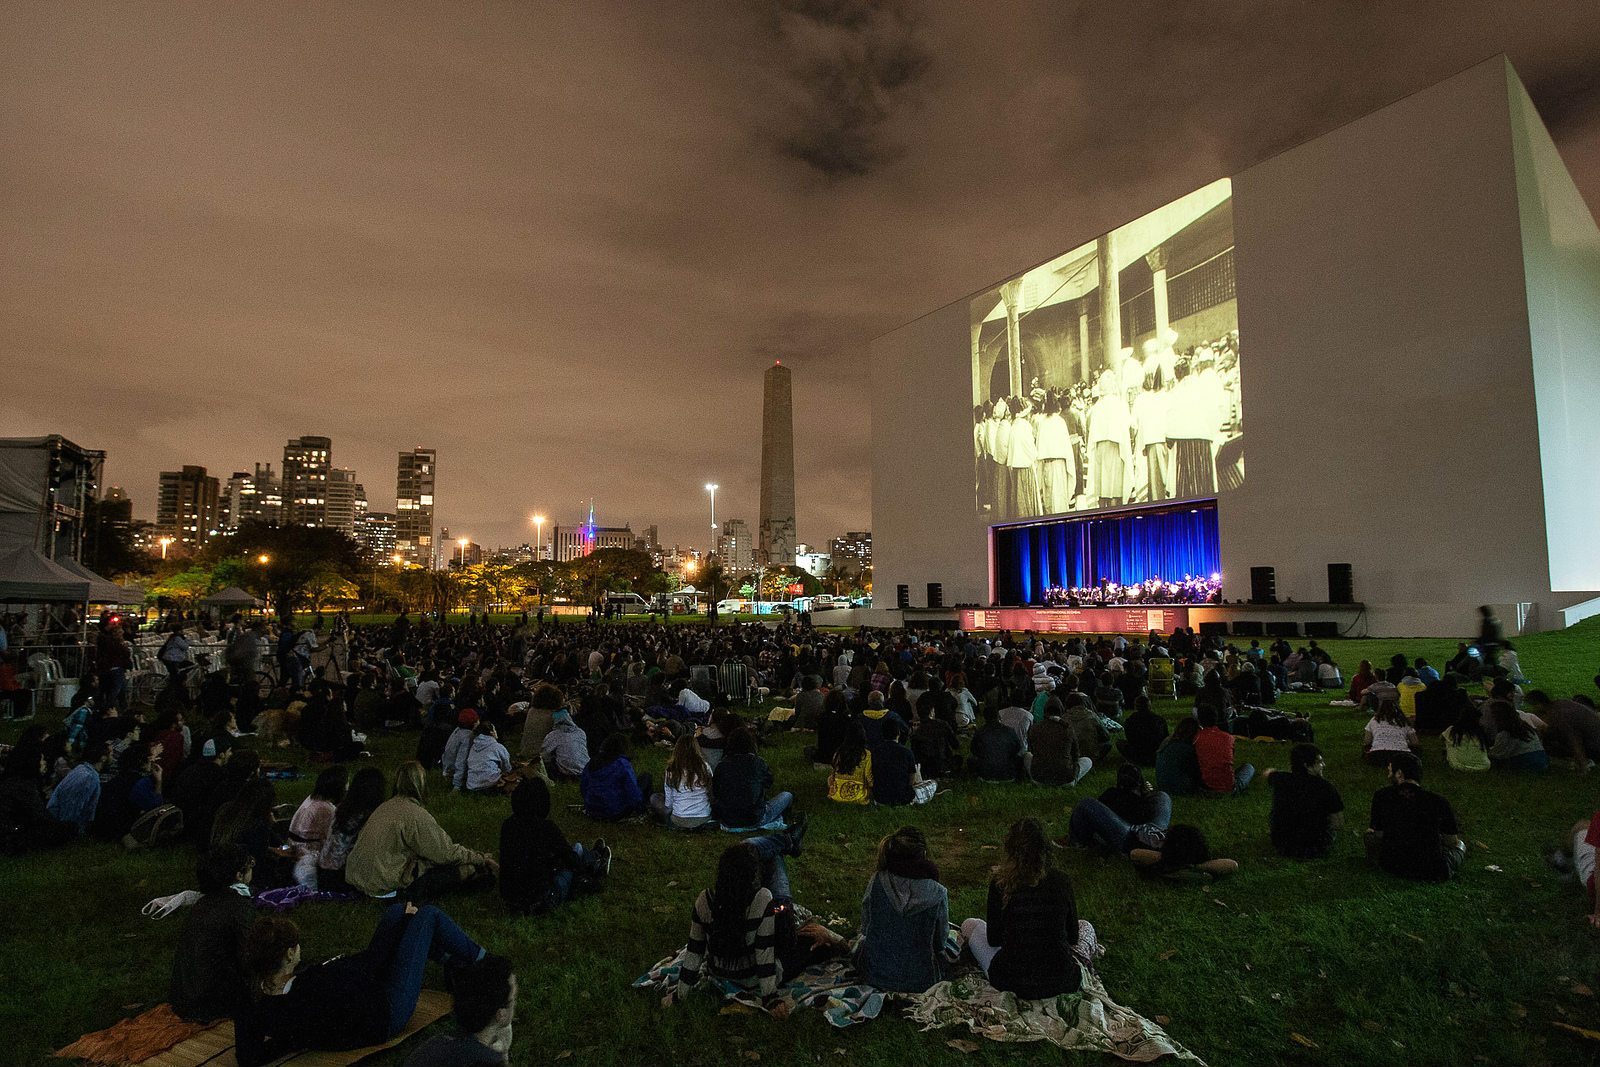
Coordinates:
<point>627,603</point>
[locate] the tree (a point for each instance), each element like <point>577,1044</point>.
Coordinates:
<point>294,557</point>
<point>185,586</point>
<point>327,587</point>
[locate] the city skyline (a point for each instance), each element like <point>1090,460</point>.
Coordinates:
<point>629,210</point>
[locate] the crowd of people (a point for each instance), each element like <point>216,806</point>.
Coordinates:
<point>509,711</point>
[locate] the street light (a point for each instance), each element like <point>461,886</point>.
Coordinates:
<point>165,541</point>
<point>711,487</point>
<point>538,524</point>
<point>462,541</point>
<point>263,559</point>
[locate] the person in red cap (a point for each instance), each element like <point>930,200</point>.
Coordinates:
<point>466,723</point>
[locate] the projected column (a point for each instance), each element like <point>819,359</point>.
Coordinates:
<point>1157,258</point>
<point>1011,293</point>
<point>1110,301</point>
<point>1083,340</point>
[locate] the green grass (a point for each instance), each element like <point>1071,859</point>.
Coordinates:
<point>1365,968</point>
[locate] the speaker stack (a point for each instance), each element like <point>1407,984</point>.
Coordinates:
<point>1341,584</point>
<point>1263,586</point>
<point>1213,629</point>
<point>935,594</point>
<point>902,596</point>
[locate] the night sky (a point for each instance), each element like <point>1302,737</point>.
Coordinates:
<point>560,242</point>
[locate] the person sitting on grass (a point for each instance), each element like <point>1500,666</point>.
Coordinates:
<point>1572,729</point>
<point>836,718</point>
<point>482,763</point>
<point>350,1001</point>
<point>934,740</point>
<point>313,819</point>
<point>1388,732</point>
<point>1307,810</point>
<point>877,717</point>
<point>1413,833</point>
<point>1184,856</point>
<point>850,781</point>
<point>246,820</point>
<point>896,778</point>
<point>1053,748</point>
<point>1129,815</point>
<point>1094,739</point>
<point>403,849</point>
<point>484,1003</point>
<point>998,754</point>
<point>1516,746</point>
<point>905,917</point>
<point>1177,766</point>
<point>539,868</point>
<point>1143,733</point>
<point>208,975</point>
<point>360,800</point>
<point>565,749</point>
<point>1585,838</point>
<point>739,785</point>
<point>26,824</point>
<point>1031,941</point>
<point>1213,750</point>
<point>610,787</point>
<point>1466,745</point>
<point>455,744</point>
<point>134,790</point>
<point>76,797</point>
<point>685,798</point>
<point>744,930</point>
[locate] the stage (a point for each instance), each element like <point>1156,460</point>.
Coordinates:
<point>1236,620</point>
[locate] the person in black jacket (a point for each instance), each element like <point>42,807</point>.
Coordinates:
<point>1143,733</point>
<point>208,980</point>
<point>1032,944</point>
<point>739,785</point>
<point>539,869</point>
<point>25,822</point>
<point>831,727</point>
<point>349,1001</point>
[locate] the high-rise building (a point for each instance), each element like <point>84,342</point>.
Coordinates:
<point>853,551</point>
<point>306,463</point>
<point>346,501</point>
<point>735,547</point>
<point>777,530</point>
<point>375,535</point>
<point>572,542</point>
<point>186,506</point>
<point>50,484</point>
<point>251,497</point>
<point>116,509</point>
<point>413,506</point>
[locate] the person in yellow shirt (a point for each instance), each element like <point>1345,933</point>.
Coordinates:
<point>1409,686</point>
<point>851,780</point>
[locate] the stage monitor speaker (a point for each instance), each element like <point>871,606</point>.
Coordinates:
<point>1213,629</point>
<point>935,594</point>
<point>1245,628</point>
<point>1283,629</point>
<point>1263,586</point>
<point>902,596</point>
<point>1341,584</point>
<point>1322,629</point>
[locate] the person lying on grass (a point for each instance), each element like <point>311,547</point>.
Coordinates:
<point>744,928</point>
<point>1031,941</point>
<point>1184,856</point>
<point>349,1001</point>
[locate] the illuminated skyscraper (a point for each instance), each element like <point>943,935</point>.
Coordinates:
<point>306,463</point>
<point>413,507</point>
<point>777,531</point>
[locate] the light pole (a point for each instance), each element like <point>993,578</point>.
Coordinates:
<point>538,524</point>
<point>165,541</point>
<point>711,487</point>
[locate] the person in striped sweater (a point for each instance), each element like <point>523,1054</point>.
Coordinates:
<point>743,929</point>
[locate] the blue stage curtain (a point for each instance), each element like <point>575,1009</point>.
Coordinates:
<point>1125,549</point>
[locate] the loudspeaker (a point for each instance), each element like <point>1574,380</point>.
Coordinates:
<point>1341,584</point>
<point>1213,629</point>
<point>1283,629</point>
<point>1248,629</point>
<point>1322,629</point>
<point>1263,586</point>
<point>902,596</point>
<point>935,594</point>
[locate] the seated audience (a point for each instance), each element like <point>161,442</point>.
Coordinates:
<point>539,868</point>
<point>1388,732</point>
<point>739,786</point>
<point>1213,750</point>
<point>1177,766</point>
<point>403,849</point>
<point>26,824</point>
<point>1054,748</point>
<point>313,819</point>
<point>1307,810</point>
<point>685,797</point>
<point>543,704</point>
<point>360,800</point>
<point>1184,855</point>
<point>610,787</point>
<point>998,753</point>
<point>934,741</point>
<point>484,1003</point>
<point>246,820</point>
<point>565,750</point>
<point>1466,745</point>
<point>1031,941</point>
<point>133,791</point>
<point>1413,833</point>
<point>1142,732</point>
<point>77,796</point>
<point>896,778</point>
<point>850,781</point>
<point>905,917</point>
<point>1516,745</point>
<point>208,974</point>
<point>1572,729</point>
<point>350,1001</point>
<point>1129,815</point>
<point>877,716</point>
<point>831,727</point>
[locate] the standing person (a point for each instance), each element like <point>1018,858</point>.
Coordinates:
<point>1058,475</point>
<point>1149,418</point>
<point>403,849</point>
<point>1021,455</point>
<point>208,973</point>
<point>1032,942</point>
<point>1109,439</point>
<point>1307,810</point>
<point>1413,833</point>
<point>1213,749</point>
<point>905,917</point>
<point>112,660</point>
<point>1193,422</point>
<point>539,868</point>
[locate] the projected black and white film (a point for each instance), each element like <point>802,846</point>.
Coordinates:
<point>1110,375</point>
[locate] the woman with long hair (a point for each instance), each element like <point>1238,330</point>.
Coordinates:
<point>1466,745</point>
<point>362,797</point>
<point>246,820</point>
<point>1517,745</point>
<point>1388,732</point>
<point>744,928</point>
<point>1177,765</point>
<point>851,780</point>
<point>1032,943</point>
<point>313,819</point>
<point>685,797</point>
<point>403,849</point>
<point>905,917</point>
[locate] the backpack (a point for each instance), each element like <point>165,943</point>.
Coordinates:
<point>1280,727</point>
<point>154,827</point>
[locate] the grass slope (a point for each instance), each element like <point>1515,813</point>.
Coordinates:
<point>1323,962</point>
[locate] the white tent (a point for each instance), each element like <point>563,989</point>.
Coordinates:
<point>231,597</point>
<point>28,577</point>
<point>101,590</point>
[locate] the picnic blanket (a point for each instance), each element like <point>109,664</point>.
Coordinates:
<point>1088,1020</point>
<point>833,988</point>
<point>135,1041</point>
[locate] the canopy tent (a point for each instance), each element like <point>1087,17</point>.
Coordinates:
<point>101,590</point>
<point>28,577</point>
<point>231,597</point>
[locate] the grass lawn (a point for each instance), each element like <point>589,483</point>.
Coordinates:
<point>1320,962</point>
